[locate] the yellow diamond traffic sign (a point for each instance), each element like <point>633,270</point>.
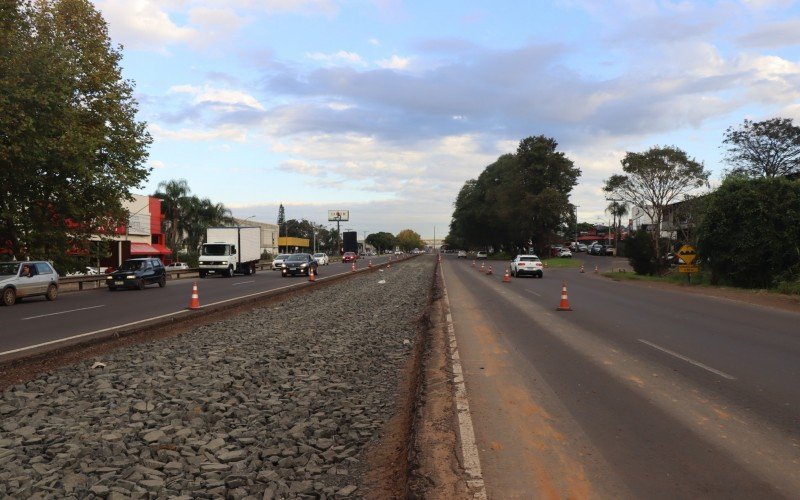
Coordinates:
<point>687,254</point>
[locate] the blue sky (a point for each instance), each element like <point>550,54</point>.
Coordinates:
<point>385,108</point>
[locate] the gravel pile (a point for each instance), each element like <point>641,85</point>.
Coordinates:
<point>275,403</point>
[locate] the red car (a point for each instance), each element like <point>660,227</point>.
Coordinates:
<point>349,257</point>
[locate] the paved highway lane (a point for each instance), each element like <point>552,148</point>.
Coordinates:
<point>638,392</point>
<point>35,321</point>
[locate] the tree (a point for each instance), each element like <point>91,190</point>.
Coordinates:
<point>174,196</point>
<point>519,200</point>
<point>281,220</point>
<point>381,240</point>
<point>617,211</point>
<point>656,178</point>
<point>70,146</point>
<point>408,240</point>
<point>750,234</point>
<point>200,215</point>
<point>770,148</point>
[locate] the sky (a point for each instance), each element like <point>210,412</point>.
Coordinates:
<point>386,108</point>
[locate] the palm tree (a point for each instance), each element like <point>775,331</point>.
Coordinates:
<point>202,214</point>
<point>173,195</point>
<point>618,211</point>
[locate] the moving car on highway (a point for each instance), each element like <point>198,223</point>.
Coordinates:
<point>138,273</point>
<point>299,263</point>
<point>177,266</point>
<point>462,254</point>
<point>27,279</point>
<point>322,259</point>
<point>481,255</point>
<point>277,261</point>
<point>349,257</point>
<point>527,264</point>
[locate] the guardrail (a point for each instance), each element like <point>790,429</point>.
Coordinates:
<point>99,280</point>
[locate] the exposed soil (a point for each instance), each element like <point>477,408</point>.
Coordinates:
<point>436,472</point>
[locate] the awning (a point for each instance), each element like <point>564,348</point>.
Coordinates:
<point>149,249</point>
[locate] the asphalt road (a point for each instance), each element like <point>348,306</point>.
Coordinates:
<point>638,392</point>
<point>36,321</point>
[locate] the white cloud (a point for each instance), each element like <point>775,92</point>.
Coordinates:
<point>225,99</point>
<point>157,164</point>
<point>374,41</point>
<point>341,57</point>
<point>394,62</point>
<point>143,24</point>
<point>223,133</point>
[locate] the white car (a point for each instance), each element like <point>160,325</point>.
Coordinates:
<point>481,255</point>
<point>462,254</point>
<point>177,266</point>
<point>565,252</point>
<point>322,259</point>
<point>277,262</point>
<point>527,264</point>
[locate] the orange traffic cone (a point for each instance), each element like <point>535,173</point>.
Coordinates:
<point>582,269</point>
<point>194,303</point>
<point>489,272</point>
<point>595,270</point>
<point>353,267</point>
<point>482,268</point>
<point>564,305</point>
<point>506,277</point>
<point>311,275</point>
<point>473,263</point>
<point>370,263</point>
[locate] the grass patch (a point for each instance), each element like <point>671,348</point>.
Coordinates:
<point>561,263</point>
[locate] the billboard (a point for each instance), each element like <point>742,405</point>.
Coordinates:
<point>340,215</point>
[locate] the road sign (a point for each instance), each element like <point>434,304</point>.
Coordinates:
<point>687,268</point>
<point>687,254</point>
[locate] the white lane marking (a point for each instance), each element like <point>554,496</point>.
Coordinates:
<point>62,312</point>
<point>466,430</point>
<point>243,283</point>
<point>82,335</point>
<point>531,291</point>
<point>58,341</point>
<point>688,360</point>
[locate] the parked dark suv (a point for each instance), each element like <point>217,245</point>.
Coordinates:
<point>138,273</point>
<point>298,263</point>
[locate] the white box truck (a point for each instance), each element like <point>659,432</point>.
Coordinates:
<point>230,250</point>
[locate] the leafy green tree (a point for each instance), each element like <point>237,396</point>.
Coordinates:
<point>381,240</point>
<point>71,148</point>
<point>641,253</point>
<point>408,240</point>
<point>769,148</point>
<point>653,180</point>
<point>519,200</point>
<point>750,234</point>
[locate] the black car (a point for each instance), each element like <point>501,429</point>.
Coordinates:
<point>298,263</point>
<point>138,273</point>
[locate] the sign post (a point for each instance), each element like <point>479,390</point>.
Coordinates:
<point>687,254</point>
<point>338,216</point>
